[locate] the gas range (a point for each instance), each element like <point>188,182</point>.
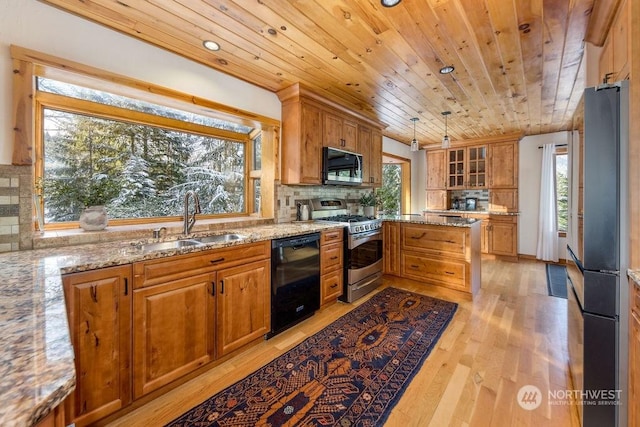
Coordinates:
<point>335,210</point>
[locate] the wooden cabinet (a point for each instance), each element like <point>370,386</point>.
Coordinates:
<point>191,309</point>
<point>370,146</point>
<point>311,122</point>
<point>391,245</point>
<point>99,311</point>
<point>503,165</point>
<point>441,255</point>
<point>173,332</point>
<point>436,199</point>
<point>614,57</point>
<point>436,196</point>
<point>466,167</point>
<point>244,301</point>
<point>302,147</point>
<point>503,200</point>
<point>339,132</point>
<point>634,355</point>
<point>437,170</point>
<point>331,265</point>
<point>503,235</point>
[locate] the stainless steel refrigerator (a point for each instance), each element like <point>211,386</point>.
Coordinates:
<point>599,289</point>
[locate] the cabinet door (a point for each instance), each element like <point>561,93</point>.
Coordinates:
<point>376,158</point>
<point>310,154</point>
<point>503,166</point>
<point>503,200</point>
<point>332,131</point>
<point>244,305</point>
<point>391,255</point>
<point>99,310</point>
<point>476,167</point>
<point>456,168</point>
<point>437,199</point>
<point>349,135</point>
<point>365,148</point>
<point>436,170</point>
<point>173,332</point>
<point>503,237</point>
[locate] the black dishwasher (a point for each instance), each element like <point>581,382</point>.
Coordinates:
<point>295,280</point>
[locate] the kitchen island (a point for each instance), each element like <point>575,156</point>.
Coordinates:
<point>37,355</point>
<point>435,250</point>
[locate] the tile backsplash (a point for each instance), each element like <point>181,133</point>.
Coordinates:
<point>481,195</point>
<point>288,196</point>
<point>15,208</point>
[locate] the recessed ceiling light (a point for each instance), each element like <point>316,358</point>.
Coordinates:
<point>390,3</point>
<point>211,45</point>
<point>447,69</point>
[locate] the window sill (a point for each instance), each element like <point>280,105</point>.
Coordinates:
<point>77,236</point>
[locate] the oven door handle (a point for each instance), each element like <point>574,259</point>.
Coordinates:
<point>368,236</point>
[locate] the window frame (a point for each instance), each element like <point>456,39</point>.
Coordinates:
<point>29,105</point>
<point>561,150</point>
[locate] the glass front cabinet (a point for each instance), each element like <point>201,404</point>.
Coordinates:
<point>467,167</point>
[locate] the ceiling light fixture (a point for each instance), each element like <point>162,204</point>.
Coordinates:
<point>211,45</point>
<point>447,69</point>
<point>446,142</point>
<point>414,141</point>
<point>390,3</point>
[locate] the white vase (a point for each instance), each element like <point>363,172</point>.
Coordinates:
<point>94,218</point>
<point>370,211</point>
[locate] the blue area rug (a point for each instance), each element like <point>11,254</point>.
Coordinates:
<point>557,280</point>
<point>351,373</point>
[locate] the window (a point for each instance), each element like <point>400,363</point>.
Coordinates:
<point>139,158</point>
<point>562,189</point>
<point>396,189</point>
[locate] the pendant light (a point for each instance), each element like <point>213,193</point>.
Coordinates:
<point>446,142</point>
<point>414,141</point>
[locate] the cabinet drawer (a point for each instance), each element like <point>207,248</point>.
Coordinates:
<point>331,286</point>
<point>331,236</point>
<point>440,239</point>
<point>330,258</point>
<point>441,272</point>
<point>148,273</point>
<point>635,300</point>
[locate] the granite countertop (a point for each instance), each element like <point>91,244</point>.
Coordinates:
<point>37,362</point>
<point>432,219</point>
<point>460,211</point>
<point>635,276</point>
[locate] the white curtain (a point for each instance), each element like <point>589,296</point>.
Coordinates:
<point>547,249</point>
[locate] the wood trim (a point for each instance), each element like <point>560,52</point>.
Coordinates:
<point>296,90</point>
<point>478,141</point>
<point>23,124</point>
<point>602,16</point>
<point>62,69</point>
<point>634,137</point>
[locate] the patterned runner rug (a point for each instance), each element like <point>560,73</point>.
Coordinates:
<point>350,373</point>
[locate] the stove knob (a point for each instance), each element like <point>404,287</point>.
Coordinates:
<point>368,226</point>
<point>357,228</point>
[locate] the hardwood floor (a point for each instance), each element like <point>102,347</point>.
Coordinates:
<point>511,335</point>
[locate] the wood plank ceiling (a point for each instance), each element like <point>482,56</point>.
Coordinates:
<point>518,63</point>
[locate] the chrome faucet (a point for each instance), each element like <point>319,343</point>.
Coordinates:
<point>189,220</point>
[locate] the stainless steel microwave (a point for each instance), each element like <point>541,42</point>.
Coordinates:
<point>341,167</point>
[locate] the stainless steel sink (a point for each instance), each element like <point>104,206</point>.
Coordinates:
<point>220,238</point>
<point>164,246</point>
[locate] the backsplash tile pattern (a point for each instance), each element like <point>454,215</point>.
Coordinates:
<point>481,195</point>
<point>288,196</point>
<point>15,208</point>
